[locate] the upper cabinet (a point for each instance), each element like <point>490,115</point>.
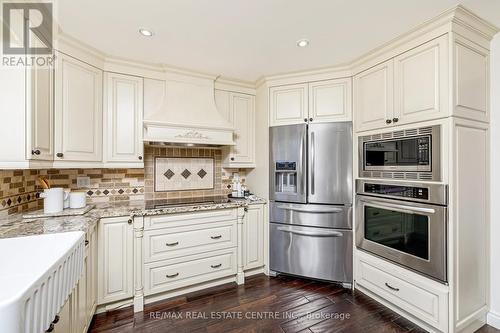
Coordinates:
<point>123,110</point>
<point>409,88</point>
<point>330,100</point>
<point>239,110</point>
<point>373,96</point>
<point>421,82</point>
<point>40,113</point>
<point>288,104</point>
<point>321,101</point>
<point>78,116</point>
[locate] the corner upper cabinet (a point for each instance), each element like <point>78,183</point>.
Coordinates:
<point>288,104</point>
<point>374,97</point>
<point>239,110</point>
<point>330,100</point>
<point>123,98</point>
<point>421,82</point>
<point>78,112</point>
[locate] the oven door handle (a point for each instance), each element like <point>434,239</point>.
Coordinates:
<point>401,208</point>
<point>314,210</point>
<point>312,234</point>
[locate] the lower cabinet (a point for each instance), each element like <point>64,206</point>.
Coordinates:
<point>76,314</point>
<point>115,259</point>
<point>253,237</point>
<point>420,299</point>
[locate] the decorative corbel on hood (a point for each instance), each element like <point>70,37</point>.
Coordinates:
<point>181,109</point>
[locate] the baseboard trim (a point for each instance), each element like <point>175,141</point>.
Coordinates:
<point>493,319</point>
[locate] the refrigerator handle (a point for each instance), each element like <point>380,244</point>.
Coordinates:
<point>303,171</point>
<point>313,158</point>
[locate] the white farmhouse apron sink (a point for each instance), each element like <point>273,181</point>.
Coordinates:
<point>37,275</point>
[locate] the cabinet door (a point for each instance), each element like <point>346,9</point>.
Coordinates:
<point>64,323</point>
<point>288,104</point>
<point>243,120</point>
<point>91,273</point>
<point>40,112</point>
<point>123,118</point>
<point>374,97</point>
<point>115,260</point>
<point>253,237</point>
<point>421,82</point>
<point>81,303</point>
<point>78,133</point>
<point>330,100</point>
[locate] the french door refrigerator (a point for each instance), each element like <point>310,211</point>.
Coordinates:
<point>311,200</point>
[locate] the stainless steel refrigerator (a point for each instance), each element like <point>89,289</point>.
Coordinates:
<point>311,200</point>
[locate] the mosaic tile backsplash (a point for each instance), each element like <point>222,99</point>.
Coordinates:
<point>19,189</point>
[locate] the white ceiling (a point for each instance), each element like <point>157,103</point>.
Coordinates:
<point>246,39</point>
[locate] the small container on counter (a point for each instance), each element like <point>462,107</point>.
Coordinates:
<point>77,199</point>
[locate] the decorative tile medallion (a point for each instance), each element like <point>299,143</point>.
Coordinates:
<point>183,173</point>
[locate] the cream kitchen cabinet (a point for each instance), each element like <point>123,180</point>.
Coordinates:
<point>115,259</point>
<point>374,97</point>
<point>239,110</point>
<point>410,88</point>
<point>330,100</point>
<point>123,96</point>
<point>253,237</point>
<point>288,104</point>
<point>321,101</point>
<point>40,113</point>
<point>78,111</point>
<point>421,83</point>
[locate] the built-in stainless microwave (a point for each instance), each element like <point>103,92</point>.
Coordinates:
<point>404,154</point>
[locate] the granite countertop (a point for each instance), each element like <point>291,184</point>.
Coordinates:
<point>16,226</point>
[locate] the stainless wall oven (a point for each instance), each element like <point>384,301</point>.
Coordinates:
<point>403,154</point>
<point>405,223</point>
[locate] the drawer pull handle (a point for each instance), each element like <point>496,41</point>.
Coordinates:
<point>172,244</point>
<point>172,275</point>
<point>216,237</point>
<point>216,266</point>
<point>391,287</point>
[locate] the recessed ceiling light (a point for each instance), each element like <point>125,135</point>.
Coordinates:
<point>146,32</point>
<point>302,42</point>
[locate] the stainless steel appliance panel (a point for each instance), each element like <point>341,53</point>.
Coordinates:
<point>288,156</point>
<point>318,253</point>
<point>411,234</point>
<point>326,216</point>
<point>330,163</point>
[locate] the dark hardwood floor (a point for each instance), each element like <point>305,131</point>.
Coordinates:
<point>284,304</point>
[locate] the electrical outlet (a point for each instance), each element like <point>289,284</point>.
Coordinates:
<point>83,181</point>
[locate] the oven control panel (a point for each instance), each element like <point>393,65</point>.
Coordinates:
<point>421,193</point>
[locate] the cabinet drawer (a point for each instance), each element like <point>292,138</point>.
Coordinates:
<point>170,243</point>
<point>187,219</point>
<point>176,273</point>
<point>422,298</point>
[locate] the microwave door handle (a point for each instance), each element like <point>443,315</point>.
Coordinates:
<point>402,208</point>
<point>312,234</point>
<point>313,158</point>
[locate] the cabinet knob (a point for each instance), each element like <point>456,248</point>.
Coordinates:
<point>395,120</point>
<point>245,209</point>
<point>388,121</point>
<point>305,120</point>
<point>35,152</point>
<point>232,158</point>
<point>129,221</point>
<point>216,266</point>
<point>59,154</point>
<point>86,242</point>
<point>172,275</point>
<point>140,158</point>
<point>310,119</point>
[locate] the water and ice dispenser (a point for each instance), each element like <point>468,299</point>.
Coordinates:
<point>285,177</point>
